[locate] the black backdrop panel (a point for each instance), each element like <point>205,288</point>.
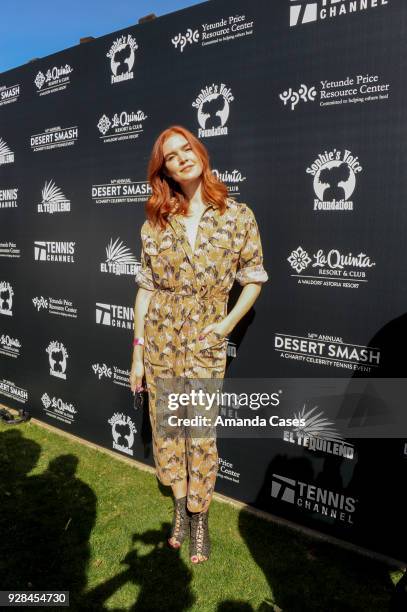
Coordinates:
<point>302,108</point>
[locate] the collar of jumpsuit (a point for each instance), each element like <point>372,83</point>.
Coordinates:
<point>197,300</point>
<point>177,225</point>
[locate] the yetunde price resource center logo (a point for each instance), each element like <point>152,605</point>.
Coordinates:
<point>213,108</point>
<point>307,11</point>
<point>122,57</point>
<point>222,30</point>
<point>356,89</point>
<point>331,268</point>
<point>334,181</point>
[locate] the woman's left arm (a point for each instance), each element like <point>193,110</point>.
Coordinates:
<point>250,274</point>
<point>247,298</point>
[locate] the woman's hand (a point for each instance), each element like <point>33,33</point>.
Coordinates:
<point>136,376</point>
<point>222,327</point>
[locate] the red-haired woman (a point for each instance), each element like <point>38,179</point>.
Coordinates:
<point>196,241</point>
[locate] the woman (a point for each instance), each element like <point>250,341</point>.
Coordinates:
<point>195,242</point>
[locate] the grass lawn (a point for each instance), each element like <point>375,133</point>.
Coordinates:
<point>74,518</point>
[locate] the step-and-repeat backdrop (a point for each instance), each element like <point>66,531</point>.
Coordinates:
<point>302,106</point>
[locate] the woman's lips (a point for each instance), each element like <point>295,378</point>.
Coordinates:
<point>187,168</point>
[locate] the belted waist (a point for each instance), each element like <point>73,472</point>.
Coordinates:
<point>201,293</point>
<point>195,301</point>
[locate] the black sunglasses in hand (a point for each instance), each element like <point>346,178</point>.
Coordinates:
<point>138,401</point>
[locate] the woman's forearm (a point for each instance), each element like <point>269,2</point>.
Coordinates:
<point>141,304</point>
<point>247,298</point>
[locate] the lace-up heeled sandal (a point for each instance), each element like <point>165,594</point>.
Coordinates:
<point>180,523</point>
<point>200,545</point>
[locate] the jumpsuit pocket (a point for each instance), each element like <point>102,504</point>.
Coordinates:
<point>211,351</point>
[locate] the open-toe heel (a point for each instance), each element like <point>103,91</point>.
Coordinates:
<point>180,523</point>
<point>200,544</point>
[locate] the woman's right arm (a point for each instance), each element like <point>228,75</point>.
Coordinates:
<point>141,304</point>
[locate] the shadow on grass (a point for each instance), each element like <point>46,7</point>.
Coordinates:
<point>45,519</point>
<point>162,575</point>
<point>310,575</point>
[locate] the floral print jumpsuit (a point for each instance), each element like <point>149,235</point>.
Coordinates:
<point>190,292</point>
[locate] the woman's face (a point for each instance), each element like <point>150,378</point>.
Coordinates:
<point>180,161</point>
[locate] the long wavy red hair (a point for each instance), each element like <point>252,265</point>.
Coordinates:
<point>167,196</point>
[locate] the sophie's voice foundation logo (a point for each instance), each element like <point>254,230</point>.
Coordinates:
<point>122,57</point>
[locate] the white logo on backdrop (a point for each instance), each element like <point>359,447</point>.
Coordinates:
<point>58,409</point>
<point>122,56</point>
<point>57,356</point>
<point>334,182</point>
<point>53,199</point>
<point>9,94</point>
<point>6,298</point>
<point>113,315</point>
<point>181,40</point>
<point>119,259</point>
<point>307,94</point>
<point>223,30</point>
<point>308,496</point>
<point>213,106</point>
<point>317,434</point>
<point>54,251</point>
<point>10,389</point>
<point>324,350</point>
<point>6,155</point>
<point>56,79</point>
<point>122,126</point>
<point>9,198</point>
<point>123,430</point>
<point>303,11</point>
<point>54,138</point>
<point>10,347</point>
<point>56,306</point>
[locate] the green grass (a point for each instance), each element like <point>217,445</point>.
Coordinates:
<point>73,518</point>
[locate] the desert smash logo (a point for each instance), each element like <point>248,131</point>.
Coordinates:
<point>213,108</point>
<point>319,349</point>
<point>334,181</point>
<point>309,497</point>
<point>122,56</point>
<point>304,11</point>
<point>54,138</point>
<point>9,94</point>
<point>121,191</point>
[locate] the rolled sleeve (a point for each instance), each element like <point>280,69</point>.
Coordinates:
<point>144,273</point>
<point>250,266</point>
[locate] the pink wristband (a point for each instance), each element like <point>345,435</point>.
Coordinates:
<point>138,341</point>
